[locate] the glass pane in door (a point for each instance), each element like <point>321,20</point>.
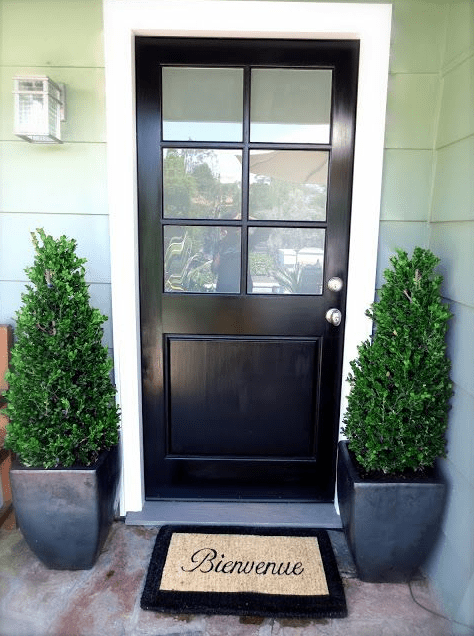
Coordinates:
<point>285,260</point>
<point>202,104</point>
<point>202,259</point>
<point>202,183</point>
<point>288,184</point>
<point>290,105</point>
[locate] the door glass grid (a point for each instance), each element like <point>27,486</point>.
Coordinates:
<point>241,190</point>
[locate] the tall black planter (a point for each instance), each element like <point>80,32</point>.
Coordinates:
<point>390,527</point>
<point>65,514</point>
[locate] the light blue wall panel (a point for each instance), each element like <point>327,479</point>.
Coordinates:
<point>393,235</point>
<point>10,302</point>
<point>465,611</point>
<point>411,109</point>
<point>453,196</point>
<point>406,185</point>
<point>52,33</point>
<point>418,32</point>
<point>454,244</point>
<point>461,346</point>
<point>459,518</point>
<point>100,297</point>
<point>91,233</point>
<point>451,572</point>
<point>452,237</point>
<point>460,32</point>
<point>459,437</point>
<point>456,119</point>
<point>57,179</point>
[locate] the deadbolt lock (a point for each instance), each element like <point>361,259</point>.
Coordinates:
<point>334,317</point>
<point>335,284</point>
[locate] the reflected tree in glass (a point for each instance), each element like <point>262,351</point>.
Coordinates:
<point>201,184</point>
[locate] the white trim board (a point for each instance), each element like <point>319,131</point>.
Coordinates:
<point>123,20</point>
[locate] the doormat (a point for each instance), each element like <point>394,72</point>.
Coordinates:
<point>276,572</point>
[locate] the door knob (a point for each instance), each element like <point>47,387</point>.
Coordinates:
<point>334,316</point>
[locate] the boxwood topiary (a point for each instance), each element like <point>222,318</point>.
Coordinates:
<point>61,401</point>
<point>400,387</point>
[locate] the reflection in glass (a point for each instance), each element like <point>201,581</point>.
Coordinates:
<point>285,261</point>
<point>290,105</point>
<point>202,104</point>
<point>201,183</point>
<point>201,259</point>
<point>288,184</point>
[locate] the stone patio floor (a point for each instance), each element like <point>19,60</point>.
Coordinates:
<point>105,601</point>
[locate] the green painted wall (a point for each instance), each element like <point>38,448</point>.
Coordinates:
<point>452,238</point>
<point>427,197</point>
<point>414,84</point>
<point>62,187</point>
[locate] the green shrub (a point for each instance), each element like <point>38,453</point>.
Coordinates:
<point>400,388</point>
<point>60,399</point>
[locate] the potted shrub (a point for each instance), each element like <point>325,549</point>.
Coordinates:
<point>391,494</point>
<point>63,424</point>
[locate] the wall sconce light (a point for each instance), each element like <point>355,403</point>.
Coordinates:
<point>40,107</point>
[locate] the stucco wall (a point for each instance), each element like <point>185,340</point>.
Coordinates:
<point>452,238</point>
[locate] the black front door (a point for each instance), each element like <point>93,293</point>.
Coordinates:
<point>245,151</point>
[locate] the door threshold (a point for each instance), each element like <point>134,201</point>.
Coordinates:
<point>294,514</point>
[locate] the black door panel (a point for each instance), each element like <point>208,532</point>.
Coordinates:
<point>241,371</point>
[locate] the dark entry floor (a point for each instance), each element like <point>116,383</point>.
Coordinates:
<point>105,601</point>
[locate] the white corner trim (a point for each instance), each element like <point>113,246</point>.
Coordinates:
<point>123,19</point>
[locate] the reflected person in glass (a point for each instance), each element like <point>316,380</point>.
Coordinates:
<point>226,261</point>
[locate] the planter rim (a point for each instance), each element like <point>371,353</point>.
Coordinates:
<point>17,465</point>
<point>343,448</point>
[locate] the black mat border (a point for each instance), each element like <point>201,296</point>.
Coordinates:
<point>238,603</point>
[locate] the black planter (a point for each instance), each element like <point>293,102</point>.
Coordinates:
<point>65,514</point>
<point>390,527</point>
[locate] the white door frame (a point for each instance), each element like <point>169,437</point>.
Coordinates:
<point>123,20</point>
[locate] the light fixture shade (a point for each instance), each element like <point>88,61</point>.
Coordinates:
<point>38,104</point>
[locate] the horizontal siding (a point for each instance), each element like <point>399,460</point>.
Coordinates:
<point>406,186</point>
<point>61,188</point>
<point>52,33</point>
<point>452,238</point>
<point>10,301</point>
<point>91,233</point>
<point>68,178</point>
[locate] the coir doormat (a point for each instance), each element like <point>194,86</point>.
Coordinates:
<point>278,572</point>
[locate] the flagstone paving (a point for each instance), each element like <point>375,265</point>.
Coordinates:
<point>105,601</point>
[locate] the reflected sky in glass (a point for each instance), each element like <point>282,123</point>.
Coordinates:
<point>202,104</point>
<point>290,105</point>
